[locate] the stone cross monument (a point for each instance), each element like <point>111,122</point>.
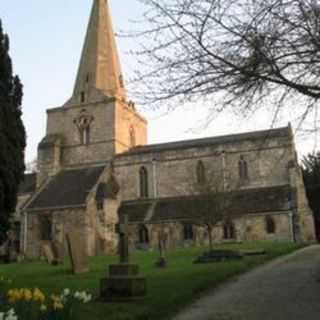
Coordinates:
<point>123,282</point>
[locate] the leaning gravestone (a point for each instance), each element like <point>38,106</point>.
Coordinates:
<point>77,252</point>
<point>58,250</point>
<point>48,253</point>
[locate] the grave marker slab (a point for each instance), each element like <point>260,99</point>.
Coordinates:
<point>77,252</point>
<point>48,253</point>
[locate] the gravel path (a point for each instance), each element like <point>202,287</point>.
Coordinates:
<point>285,289</point>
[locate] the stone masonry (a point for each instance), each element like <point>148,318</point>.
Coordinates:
<point>95,166</point>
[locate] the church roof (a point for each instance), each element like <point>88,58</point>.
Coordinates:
<point>195,143</point>
<point>99,67</point>
<point>242,202</point>
<point>68,188</point>
<point>29,183</point>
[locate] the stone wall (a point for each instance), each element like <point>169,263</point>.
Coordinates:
<point>63,221</point>
<point>247,228</point>
<point>127,122</point>
<point>173,172</point>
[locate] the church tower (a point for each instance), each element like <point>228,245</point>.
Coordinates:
<point>98,121</point>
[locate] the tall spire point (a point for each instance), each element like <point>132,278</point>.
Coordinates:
<point>99,72</point>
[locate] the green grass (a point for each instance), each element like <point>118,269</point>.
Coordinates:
<point>168,289</point>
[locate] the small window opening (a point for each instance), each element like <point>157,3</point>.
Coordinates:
<point>243,169</point>
<point>201,173</point>
<point>229,231</point>
<point>144,189</point>
<point>270,225</point>
<point>143,234</point>
<point>188,232</point>
<point>82,97</point>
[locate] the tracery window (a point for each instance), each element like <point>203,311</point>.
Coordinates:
<point>270,225</point>
<point>243,169</point>
<point>83,123</point>
<point>201,173</point>
<point>144,189</point>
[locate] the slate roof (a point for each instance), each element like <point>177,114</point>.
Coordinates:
<point>28,185</point>
<point>67,188</point>
<point>195,143</point>
<point>250,201</point>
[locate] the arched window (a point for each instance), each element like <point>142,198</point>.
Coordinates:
<point>270,225</point>
<point>144,189</point>
<point>143,234</point>
<point>243,169</point>
<point>83,122</point>
<point>132,137</point>
<point>85,135</point>
<point>229,231</point>
<point>188,232</point>
<point>201,173</point>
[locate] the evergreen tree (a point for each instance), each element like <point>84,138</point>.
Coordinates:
<point>12,136</point>
<point>311,175</point>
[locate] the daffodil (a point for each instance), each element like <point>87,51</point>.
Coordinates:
<point>57,305</point>
<point>38,295</point>
<point>27,295</point>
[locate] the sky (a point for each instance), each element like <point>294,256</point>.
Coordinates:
<point>46,41</point>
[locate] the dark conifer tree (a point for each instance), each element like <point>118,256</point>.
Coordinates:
<point>12,136</point>
<point>311,175</point>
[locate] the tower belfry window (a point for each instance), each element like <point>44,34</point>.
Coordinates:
<point>83,122</point>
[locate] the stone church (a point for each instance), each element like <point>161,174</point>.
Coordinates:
<point>95,166</point>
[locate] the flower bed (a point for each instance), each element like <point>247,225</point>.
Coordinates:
<point>33,304</point>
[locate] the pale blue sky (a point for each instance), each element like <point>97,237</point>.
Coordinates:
<point>46,42</point>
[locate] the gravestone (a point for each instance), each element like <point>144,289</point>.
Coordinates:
<point>77,252</point>
<point>48,253</point>
<point>58,251</point>
<point>123,282</point>
<point>162,262</point>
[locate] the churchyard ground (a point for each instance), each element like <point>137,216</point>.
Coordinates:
<point>169,289</point>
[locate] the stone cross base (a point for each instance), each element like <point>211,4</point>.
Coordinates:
<point>123,283</point>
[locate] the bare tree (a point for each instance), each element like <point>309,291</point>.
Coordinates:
<point>242,54</point>
<point>208,202</point>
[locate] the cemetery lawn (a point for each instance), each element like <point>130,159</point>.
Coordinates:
<point>169,289</point>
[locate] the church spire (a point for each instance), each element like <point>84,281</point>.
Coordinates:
<point>99,70</point>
